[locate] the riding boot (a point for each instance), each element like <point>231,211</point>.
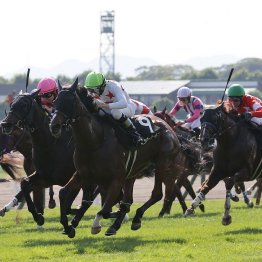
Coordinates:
<point>131,129</point>
<point>197,132</point>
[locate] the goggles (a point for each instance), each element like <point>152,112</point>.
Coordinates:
<point>234,99</point>
<point>47,95</point>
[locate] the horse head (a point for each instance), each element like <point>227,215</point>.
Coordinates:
<point>21,113</point>
<point>213,124</point>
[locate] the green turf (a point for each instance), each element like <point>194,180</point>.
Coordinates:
<point>173,238</point>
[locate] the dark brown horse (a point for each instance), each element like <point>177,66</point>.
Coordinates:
<point>237,155</point>
<point>100,158</point>
<point>52,158</point>
<point>192,161</point>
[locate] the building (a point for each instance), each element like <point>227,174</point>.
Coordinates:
<point>211,91</point>
<point>149,91</point>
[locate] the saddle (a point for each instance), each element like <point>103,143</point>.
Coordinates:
<point>144,126</point>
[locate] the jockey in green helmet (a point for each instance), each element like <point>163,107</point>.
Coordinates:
<point>114,100</point>
<point>250,107</point>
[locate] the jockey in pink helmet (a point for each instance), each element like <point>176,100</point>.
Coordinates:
<point>48,92</point>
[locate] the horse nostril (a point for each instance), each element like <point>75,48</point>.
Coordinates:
<point>7,128</point>
<point>55,130</point>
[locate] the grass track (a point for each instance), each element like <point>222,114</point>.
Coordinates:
<point>173,238</point>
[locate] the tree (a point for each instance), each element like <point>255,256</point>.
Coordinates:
<point>162,103</point>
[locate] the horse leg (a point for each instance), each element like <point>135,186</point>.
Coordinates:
<point>187,185</point>
<point>233,195</point>
<point>111,198</point>
<point>64,193</point>
<point>258,196</point>
<point>177,193</point>
<point>156,196</point>
<point>27,187</point>
<point>210,183</point>
<point>124,207</point>
<point>89,194</point>
<point>71,197</point>
<point>167,205</point>
<point>242,188</point>
<point>227,219</point>
<point>51,203</point>
<point>19,197</point>
<point>39,200</point>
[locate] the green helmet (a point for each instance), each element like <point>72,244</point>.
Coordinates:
<point>236,90</point>
<point>94,80</point>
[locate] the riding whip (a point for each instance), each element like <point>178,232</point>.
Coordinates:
<point>229,77</point>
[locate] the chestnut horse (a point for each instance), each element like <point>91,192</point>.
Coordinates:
<point>192,161</point>
<point>237,155</point>
<point>100,158</point>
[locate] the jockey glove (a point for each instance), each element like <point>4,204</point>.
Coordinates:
<point>246,115</point>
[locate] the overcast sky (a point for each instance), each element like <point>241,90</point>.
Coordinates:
<point>44,33</point>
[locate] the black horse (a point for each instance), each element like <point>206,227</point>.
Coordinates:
<point>21,141</point>
<point>237,155</point>
<point>52,158</point>
<point>100,158</point>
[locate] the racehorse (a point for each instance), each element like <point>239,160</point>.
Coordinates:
<point>200,164</point>
<point>52,158</point>
<point>237,155</point>
<point>101,158</point>
<point>20,140</point>
<point>192,160</point>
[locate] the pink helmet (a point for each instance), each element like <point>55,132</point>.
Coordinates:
<point>47,85</point>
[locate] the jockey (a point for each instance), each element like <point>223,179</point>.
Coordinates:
<point>250,107</point>
<point>48,93</point>
<point>141,108</point>
<point>114,100</point>
<point>192,105</point>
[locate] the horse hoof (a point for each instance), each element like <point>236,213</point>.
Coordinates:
<point>189,212</point>
<point>126,218</point>
<point>161,214</point>
<point>250,204</point>
<point>52,204</point>
<point>2,212</point>
<point>40,228</point>
<point>95,230</point>
<point>202,207</point>
<point>249,192</point>
<point>72,232</point>
<point>74,223</point>
<point>110,231</point>
<point>135,226</point>
<point>41,220</point>
<point>226,221</point>
<point>234,198</point>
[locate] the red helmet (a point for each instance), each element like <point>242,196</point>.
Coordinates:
<point>47,85</point>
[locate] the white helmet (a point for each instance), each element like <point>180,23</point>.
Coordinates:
<point>184,92</point>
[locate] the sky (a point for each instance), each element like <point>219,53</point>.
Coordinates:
<point>44,33</point>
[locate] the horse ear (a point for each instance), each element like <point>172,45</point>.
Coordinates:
<point>154,109</point>
<point>35,93</point>
<point>74,85</point>
<point>163,111</point>
<point>59,85</point>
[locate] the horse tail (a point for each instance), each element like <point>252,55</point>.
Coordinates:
<point>13,164</point>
